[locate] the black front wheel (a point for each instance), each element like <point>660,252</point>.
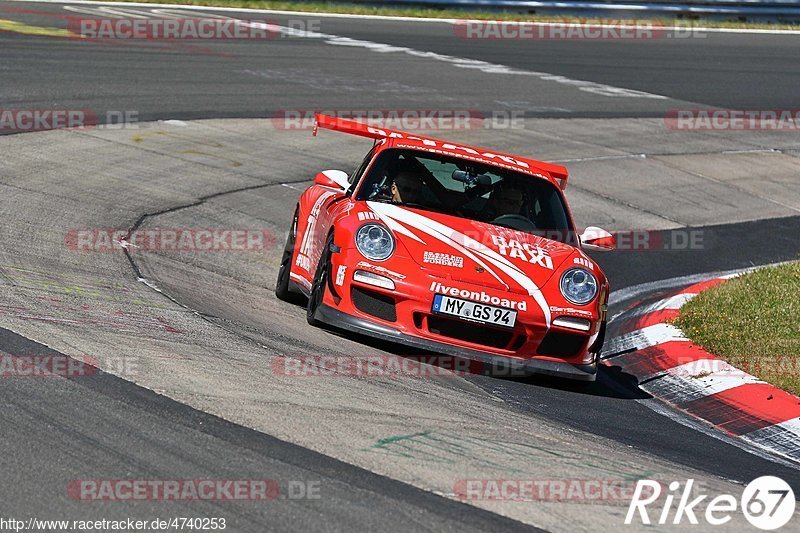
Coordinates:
<point>282,284</point>
<point>320,285</point>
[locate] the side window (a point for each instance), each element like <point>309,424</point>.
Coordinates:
<point>359,171</point>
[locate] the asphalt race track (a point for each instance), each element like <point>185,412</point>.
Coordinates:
<point>188,343</point>
<point>232,79</point>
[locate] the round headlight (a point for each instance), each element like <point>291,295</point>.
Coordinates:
<point>375,242</point>
<point>579,286</point>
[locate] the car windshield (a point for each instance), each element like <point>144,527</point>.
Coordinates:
<point>467,189</point>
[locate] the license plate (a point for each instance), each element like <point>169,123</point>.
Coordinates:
<point>474,311</point>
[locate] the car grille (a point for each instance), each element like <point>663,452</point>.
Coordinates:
<point>469,332</point>
<point>559,344</point>
<point>374,303</point>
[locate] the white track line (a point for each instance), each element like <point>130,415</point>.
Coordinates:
<point>634,291</point>
<point>784,436</point>
<point>399,19</point>
<point>701,378</point>
<point>688,382</point>
<point>744,443</point>
<point>673,302</point>
<point>644,338</point>
<point>382,48</point>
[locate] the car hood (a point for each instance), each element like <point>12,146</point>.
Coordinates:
<point>475,252</point>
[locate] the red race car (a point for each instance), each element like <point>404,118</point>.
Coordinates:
<point>451,249</point>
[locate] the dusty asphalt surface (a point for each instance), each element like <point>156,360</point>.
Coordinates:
<point>189,390</point>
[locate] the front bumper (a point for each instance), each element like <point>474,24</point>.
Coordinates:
<point>505,365</point>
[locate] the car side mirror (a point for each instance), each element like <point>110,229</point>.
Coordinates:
<point>594,238</point>
<point>335,179</point>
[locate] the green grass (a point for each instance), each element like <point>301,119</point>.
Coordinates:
<point>753,322</point>
<point>429,12</point>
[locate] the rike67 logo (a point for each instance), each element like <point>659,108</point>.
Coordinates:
<point>767,503</point>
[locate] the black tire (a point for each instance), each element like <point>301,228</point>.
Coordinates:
<point>320,284</point>
<point>282,291</point>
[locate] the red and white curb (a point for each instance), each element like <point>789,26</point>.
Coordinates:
<point>673,369</point>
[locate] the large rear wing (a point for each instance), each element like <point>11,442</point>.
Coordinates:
<point>556,172</point>
<point>351,126</point>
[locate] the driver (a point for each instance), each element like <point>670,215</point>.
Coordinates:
<point>507,198</point>
<point>405,187</point>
